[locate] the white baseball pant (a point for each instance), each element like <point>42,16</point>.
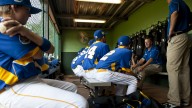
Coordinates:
<point>79,71</point>
<point>37,93</point>
<point>118,78</point>
<point>90,73</point>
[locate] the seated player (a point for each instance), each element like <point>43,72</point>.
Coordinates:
<point>76,64</point>
<point>95,52</point>
<point>20,86</point>
<point>115,66</point>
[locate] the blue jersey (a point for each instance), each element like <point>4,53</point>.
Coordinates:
<point>154,54</point>
<point>183,18</point>
<point>79,59</point>
<point>115,60</point>
<point>16,62</point>
<point>95,52</point>
<point>41,64</point>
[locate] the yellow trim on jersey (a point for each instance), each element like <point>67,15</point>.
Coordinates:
<point>113,66</point>
<point>31,53</point>
<point>24,61</point>
<point>96,42</point>
<point>121,47</point>
<point>127,70</point>
<point>96,62</point>
<point>8,77</point>
<point>44,67</point>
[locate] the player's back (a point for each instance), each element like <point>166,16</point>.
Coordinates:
<point>115,59</point>
<point>95,52</point>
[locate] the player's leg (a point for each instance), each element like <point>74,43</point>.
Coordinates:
<point>34,93</point>
<point>79,71</point>
<point>119,78</point>
<point>61,84</point>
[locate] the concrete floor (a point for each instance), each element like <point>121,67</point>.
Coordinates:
<point>157,92</point>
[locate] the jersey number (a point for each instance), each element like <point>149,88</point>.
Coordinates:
<point>107,55</point>
<point>91,52</point>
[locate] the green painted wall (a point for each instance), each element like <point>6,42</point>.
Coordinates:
<point>70,40</point>
<point>143,18</point>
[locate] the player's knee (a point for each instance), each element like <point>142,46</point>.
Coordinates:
<point>81,102</point>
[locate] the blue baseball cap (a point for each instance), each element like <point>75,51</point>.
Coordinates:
<point>99,34</point>
<point>26,3</point>
<point>124,40</point>
<point>91,42</point>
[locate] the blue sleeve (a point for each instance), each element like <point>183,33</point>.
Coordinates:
<point>104,51</point>
<point>40,61</point>
<point>154,54</point>
<point>15,46</point>
<point>125,60</point>
<point>173,6</point>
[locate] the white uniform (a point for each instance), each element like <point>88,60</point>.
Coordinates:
<point>46,93</point>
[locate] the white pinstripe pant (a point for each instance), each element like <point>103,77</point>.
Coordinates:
<point>118,78</point>
<point>37,93</point>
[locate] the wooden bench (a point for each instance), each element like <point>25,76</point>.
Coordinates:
<point>93,85</point>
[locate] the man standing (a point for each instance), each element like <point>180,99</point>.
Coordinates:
<point>178,55</point>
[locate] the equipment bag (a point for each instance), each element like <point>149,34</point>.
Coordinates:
<point>134,100</point>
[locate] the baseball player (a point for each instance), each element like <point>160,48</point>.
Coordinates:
<point>115,66</point>
<point>97,50</point>
<point>19,85</point>
<point>76,64</point>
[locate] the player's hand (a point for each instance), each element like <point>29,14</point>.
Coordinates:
<point>13,27</point>
<point>140,68</point>
<point>133,67</point>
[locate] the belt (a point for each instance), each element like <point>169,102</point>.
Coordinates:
<point>1,91</point>
<point>89,70</point>
<point>178,33</point>
<point>101,70</point>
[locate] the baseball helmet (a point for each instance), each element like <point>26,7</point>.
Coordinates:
<point>124,41</point>
<point>98,34</point>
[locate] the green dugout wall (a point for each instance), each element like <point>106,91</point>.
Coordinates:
<point>143,18</point>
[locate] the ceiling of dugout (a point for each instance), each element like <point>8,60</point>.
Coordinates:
<point>65,11</point>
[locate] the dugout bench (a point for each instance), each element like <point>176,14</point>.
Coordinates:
<point>94,85</point>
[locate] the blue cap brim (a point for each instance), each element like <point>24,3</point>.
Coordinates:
<point>34,10</point>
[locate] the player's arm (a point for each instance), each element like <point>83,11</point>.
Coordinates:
<point>38,55</point>
<point>173,22</point>
<point>125,63</point>
<point>141,61</point>
<point>14,27</point>
<point>173,10</point>
<point>154,54</point>
<point>146,64</point>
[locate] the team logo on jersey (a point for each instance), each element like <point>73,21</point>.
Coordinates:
<point>24,40</point>
<point>121,43</point>
<point>18,0</point>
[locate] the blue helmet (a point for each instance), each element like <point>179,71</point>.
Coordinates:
<point>124,40</point>
<point>91,42</point>
<point>98,34</point>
